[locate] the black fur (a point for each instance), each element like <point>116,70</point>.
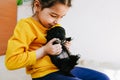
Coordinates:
<point>64,61</point>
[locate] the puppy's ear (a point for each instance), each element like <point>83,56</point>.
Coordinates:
<point>68,39</point>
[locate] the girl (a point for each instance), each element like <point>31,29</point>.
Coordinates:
<point>27,47</point>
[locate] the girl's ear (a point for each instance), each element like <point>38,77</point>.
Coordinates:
<point>37,6</point>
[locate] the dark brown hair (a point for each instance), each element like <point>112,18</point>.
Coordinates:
<point>50,3</point>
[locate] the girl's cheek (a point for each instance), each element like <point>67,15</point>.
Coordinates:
<point>51,19</point>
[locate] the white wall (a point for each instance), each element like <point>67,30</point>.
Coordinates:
<point>95,27</point>
<point>24,10</point>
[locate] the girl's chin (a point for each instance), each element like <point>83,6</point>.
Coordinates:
<point>49,26</point>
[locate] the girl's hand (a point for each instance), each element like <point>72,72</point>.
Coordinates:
<point>49,48</point>
<point>53,49</point>
<point>67,44</point>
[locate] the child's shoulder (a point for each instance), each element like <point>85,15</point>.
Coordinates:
<point>25,21</point>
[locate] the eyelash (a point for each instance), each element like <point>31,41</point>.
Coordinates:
<point>54,16</point>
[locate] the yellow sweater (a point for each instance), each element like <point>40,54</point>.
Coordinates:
<point>28,36</point>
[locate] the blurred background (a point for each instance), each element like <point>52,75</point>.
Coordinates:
<point>94,26</point>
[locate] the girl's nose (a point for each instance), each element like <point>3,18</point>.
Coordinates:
<point>56,21</point>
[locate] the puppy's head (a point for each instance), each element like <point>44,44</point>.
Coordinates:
<point>56,32</point>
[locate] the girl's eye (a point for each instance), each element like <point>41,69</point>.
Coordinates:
<point>54,16</point>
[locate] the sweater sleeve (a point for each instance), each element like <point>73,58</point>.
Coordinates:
<point>18,54</point>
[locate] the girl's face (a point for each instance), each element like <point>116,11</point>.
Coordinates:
<point>49,17</point>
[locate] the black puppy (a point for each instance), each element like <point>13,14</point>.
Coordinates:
<point>64,61</point>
